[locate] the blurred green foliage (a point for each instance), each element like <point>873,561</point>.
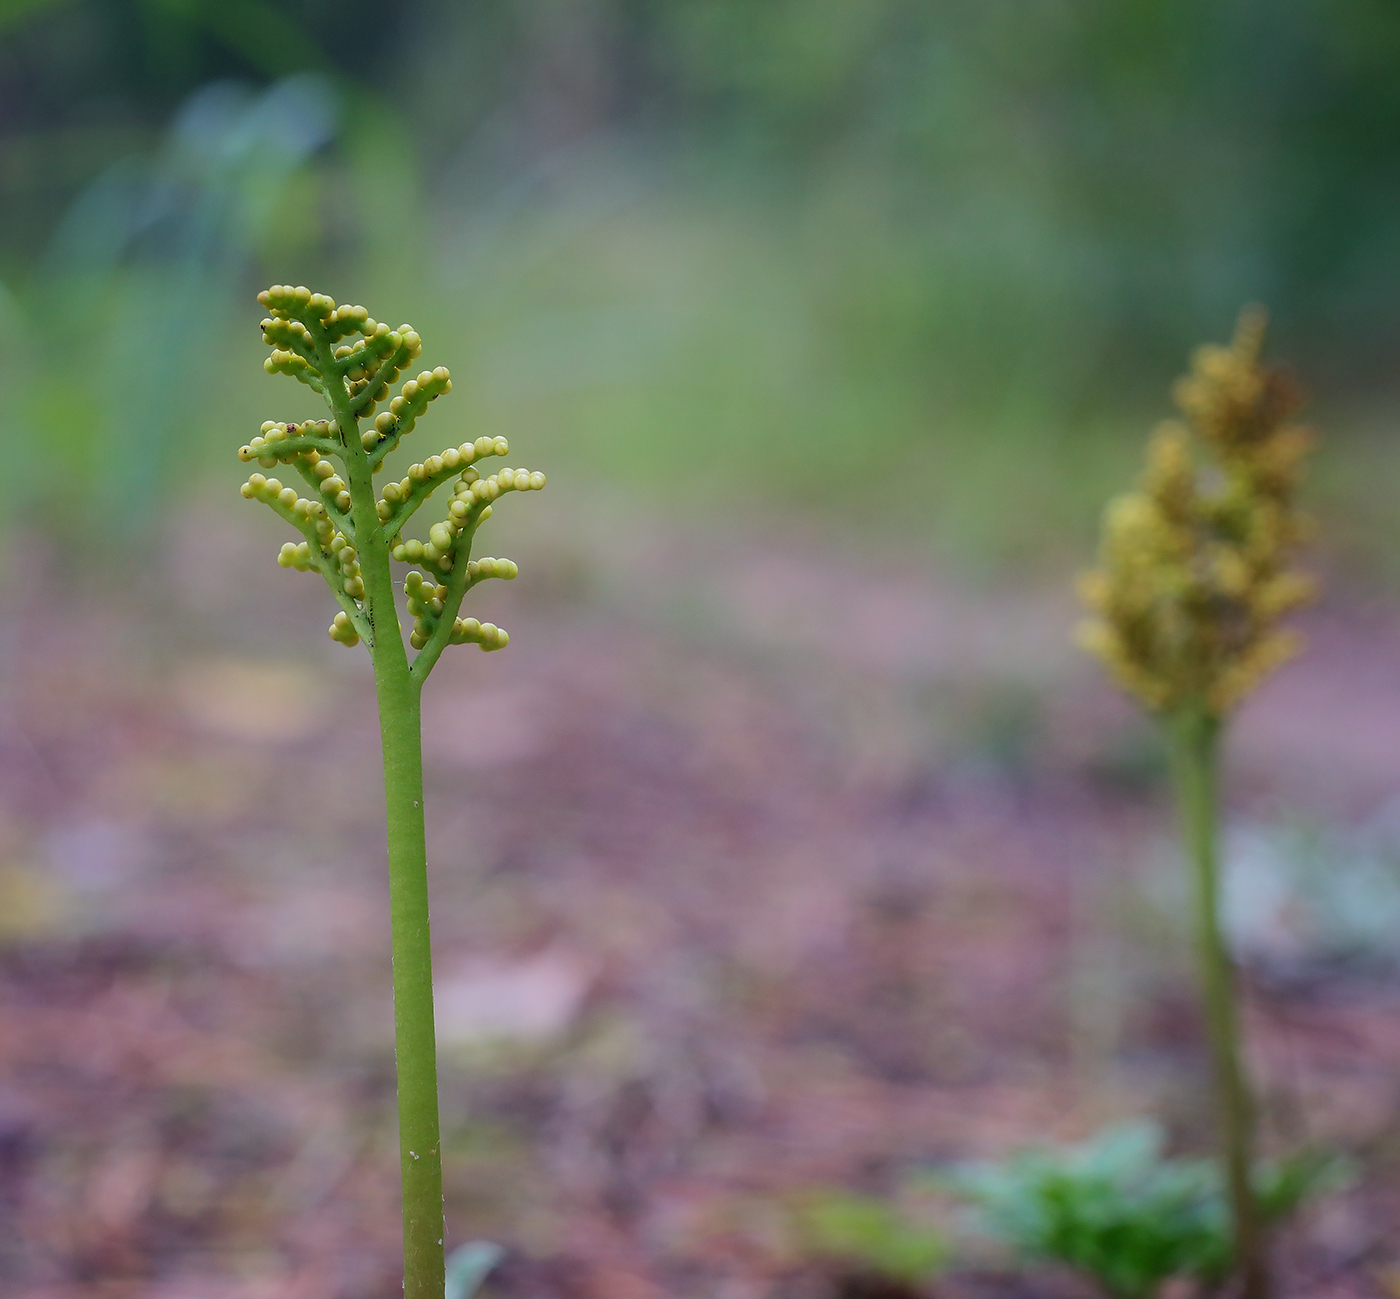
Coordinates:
<point>1119,1209</point>
<point>920,266</point>
<point>868,1235</point>
<point>469,1265</point>
<point>140,275</point>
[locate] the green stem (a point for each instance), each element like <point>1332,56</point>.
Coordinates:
<point>401,732</point>
<point>420,1150</point>
<point>1195,736</point>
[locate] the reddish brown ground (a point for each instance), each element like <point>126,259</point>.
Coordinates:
<point>797,878</point>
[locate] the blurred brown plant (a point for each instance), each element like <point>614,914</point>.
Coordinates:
<point>1194,575</point>
<point>1194,567</point>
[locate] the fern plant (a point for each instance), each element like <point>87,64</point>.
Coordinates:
<point>1195,575</point>
<point>351,534</point>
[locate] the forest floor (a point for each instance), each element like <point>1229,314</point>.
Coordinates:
<point>808,877</point>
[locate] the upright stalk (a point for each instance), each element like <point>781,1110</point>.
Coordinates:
<point>1195,737</point>
<point>415,1042</point>
<point>1195,576</point>
<point>350,533</point>
<point>401,733</point>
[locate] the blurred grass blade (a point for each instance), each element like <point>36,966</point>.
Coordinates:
<point>141,273</point>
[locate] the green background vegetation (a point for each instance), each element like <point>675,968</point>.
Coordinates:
<point>920,271</point>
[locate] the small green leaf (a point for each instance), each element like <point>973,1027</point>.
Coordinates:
<point>469,1265</point>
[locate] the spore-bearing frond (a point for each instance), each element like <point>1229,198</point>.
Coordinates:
<point>354,361</point>
<point>350,533</point>
<point>1194,573</point>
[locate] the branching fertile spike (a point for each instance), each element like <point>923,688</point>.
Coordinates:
<point>353,360</point>
<point>1194,569</point>
<point>1194,577</point>
<point>349,534</point>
